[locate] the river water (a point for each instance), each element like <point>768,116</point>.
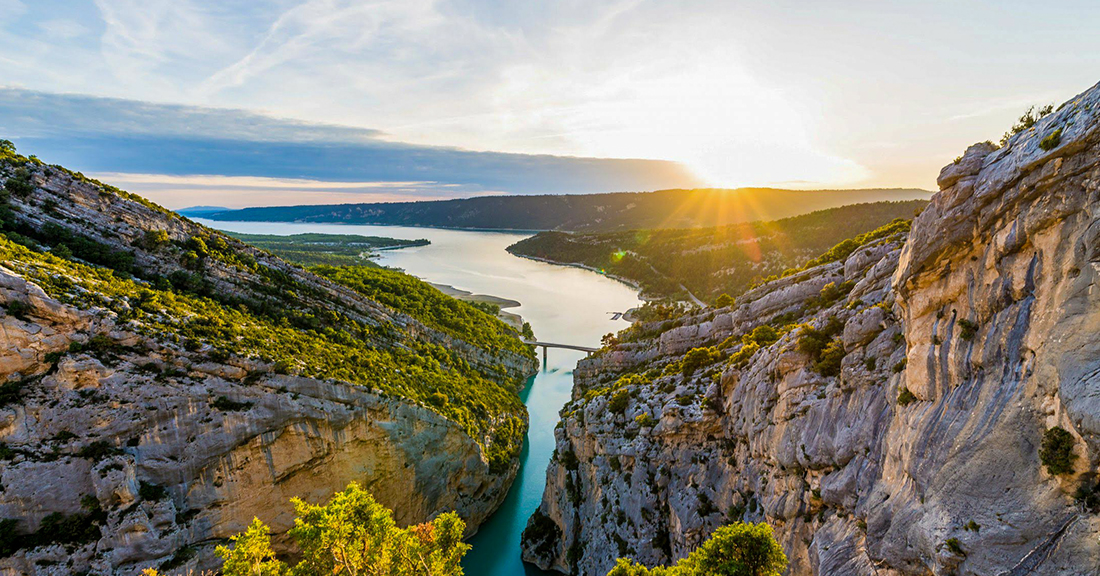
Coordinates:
<point>563,304</point>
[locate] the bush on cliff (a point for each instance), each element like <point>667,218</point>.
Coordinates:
<point>1056,451</point>
<point>736,550</point>
<point>351,534</point>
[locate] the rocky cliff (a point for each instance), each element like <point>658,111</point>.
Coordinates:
<point>151,405</point>
<point>885,412</point>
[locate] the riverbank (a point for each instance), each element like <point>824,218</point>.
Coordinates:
<point>510,318</point>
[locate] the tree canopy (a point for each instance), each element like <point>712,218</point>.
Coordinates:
<point>738,549</point>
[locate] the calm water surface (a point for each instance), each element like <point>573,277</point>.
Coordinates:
<point>567,305</point>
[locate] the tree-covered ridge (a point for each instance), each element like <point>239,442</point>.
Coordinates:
<point>316,249</point>
<point>712,261</point>
<point>423,302</point>
<point>95,247</point>
<point>617,211</point>
<point>419,371</point>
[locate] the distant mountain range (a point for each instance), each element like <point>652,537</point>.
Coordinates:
<point>695,208</point>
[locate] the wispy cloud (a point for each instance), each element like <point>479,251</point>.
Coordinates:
<point>240,191</point>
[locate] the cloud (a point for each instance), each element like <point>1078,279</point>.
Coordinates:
<point>241,191</point>
<point>121,136</point>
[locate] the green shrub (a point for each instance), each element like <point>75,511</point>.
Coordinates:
<point>619,401</point>
<point>906,397</point>
<point>151,492</point>
<point>697,358</point>
<point>18,309</point>
<point>953,545</point>
<point>735,550</point>
<point>828,363</point>
<point>98,450</point>
<point>1056,451</point>
<point>968,329</point>
<point>723,301</point>
<point>224,404</point>
<point>1051,141</point>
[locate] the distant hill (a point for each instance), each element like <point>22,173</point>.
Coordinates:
<point>201,211</point>
<point>705,207</point>
<point>711,261</point>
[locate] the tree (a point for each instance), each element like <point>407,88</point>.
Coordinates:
<point>352,535</point>
<point>736,550</point>
<point>251,554</point>
<point>723,301</point>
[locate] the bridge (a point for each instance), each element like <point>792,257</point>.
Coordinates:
<point>547,345</point>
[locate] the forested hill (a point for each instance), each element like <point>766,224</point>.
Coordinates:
<point>725,259</point>
<point>698,208</point>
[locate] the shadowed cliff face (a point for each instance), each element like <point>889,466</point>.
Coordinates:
<point>166,444</point>
<point>963,342</point>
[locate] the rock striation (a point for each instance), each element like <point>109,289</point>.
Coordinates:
<point>164,449</point>
<point>961,344</point>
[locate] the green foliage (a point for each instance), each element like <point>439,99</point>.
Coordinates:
<point>151,492</point>
<point>18,308</point>
<point>224,404</point>
<point>954,546</point>
<point>906,397</point>
<point>19,183</point>
<point>315,249</point>
<point>55,528</point>
<point>488,409</point>
<point>1056,451</point>
<point>735,550</point>
<point>419,300</point>
<point>724,260</point>
<point>826,352</point>
<point>251,554</point>
<point>352,535</point>
<point>828,362</point>
<point>723,301</point>
<point>968,329</point>
<point>1051,141</point>
<point>98,450</point>
<point>1027,121</point>
<point>696,358</point>
<point>619,401</point>
<point>11,392</point>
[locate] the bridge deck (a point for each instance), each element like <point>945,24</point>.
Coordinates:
<point>588,349</point>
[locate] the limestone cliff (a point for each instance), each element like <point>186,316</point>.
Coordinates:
<point>124,445</point>
<point>892,423</point>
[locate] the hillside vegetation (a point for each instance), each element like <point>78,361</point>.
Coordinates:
<point>663,209</point>
<point>314,249</point>
<point>712,261</point>
<point>178,282</point>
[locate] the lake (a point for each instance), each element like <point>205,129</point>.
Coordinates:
<point>563,304</point>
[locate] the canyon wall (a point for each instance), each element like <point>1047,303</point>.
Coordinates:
<point>918,452</point>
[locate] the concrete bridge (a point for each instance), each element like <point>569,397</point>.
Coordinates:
<point>547,345</point>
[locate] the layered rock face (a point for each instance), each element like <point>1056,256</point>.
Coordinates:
<point>963,342</point>
<point>164,450</point>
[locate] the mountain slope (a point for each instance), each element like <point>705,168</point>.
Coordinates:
<point>926,405</point>
<point>583,212</point>
<point>711,261</point>
<point>162,382</point>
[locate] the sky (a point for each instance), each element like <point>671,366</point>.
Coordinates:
<point>253,102</point>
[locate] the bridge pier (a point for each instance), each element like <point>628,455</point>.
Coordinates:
<point>544,350</point>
